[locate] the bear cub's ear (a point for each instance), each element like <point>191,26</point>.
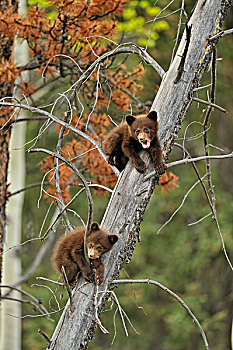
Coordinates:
<point>130,119</point>
<point>95,226</point>
<point>113,239</point>
<point>152,115</point>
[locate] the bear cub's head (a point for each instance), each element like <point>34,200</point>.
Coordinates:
<point>99,242</point>
<point>143,128</point>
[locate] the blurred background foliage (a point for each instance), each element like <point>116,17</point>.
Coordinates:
<point>187,259</point>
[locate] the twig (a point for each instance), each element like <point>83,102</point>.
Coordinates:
<point>205,139</point>
<point>26,188</point>
<point>178,30</point>
<point>123,48</point>
<point>42,315</point>
<point>182,203</point>
<point>96,97</point>
<point>44,336</point>
<point>67,285</point>
<point>102,328</point>
<point>48,280</point>
<point>211,207</point>
<point>205,125</point>
<point>134,294</point>
<point>46,215</point>
<point>121,314</point>
<point>51,291</point>
<point>210,104</point>
<point>190,160</point>
<point>149,281</point>
<point>114,324</point>
<point>29,119</point>
<point>180,69</point>
<point>221,34</point>
<point>40,307</point>
<point>60,203</point>
<point>200,220</point>
<point>154,20</point>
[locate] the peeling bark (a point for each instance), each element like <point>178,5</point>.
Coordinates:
<point>131,195</point>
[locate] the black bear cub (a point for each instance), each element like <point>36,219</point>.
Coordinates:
<point>69,252</point>
<point>130,137</point>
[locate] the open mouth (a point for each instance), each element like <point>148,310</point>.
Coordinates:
<point>92,257</point>
<point>145,144</point>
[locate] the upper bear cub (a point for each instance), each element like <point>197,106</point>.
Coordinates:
<point>131,136</point>
<point>69,252</point>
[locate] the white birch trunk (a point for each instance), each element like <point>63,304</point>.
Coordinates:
<point>128,202</point>
<point>11,310</point>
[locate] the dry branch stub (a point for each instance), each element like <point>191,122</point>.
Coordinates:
<point>125,209</point>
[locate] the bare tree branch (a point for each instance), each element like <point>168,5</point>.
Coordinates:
<point>221,34</point>
<point>149,281</point>
<point>60,203</point>
<point>61,122</point>
<point>209,104</point>
<point>26,188</point>
<point>211,207</point>
<point>39,306</point>
<point>191,160</point>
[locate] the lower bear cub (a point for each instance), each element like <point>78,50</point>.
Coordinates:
<point>69,252</point>
<point>131,136</point>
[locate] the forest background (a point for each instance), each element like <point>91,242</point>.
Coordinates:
<point>187,259</point>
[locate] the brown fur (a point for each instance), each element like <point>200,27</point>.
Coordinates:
<point>69,252</point>
<point>130,137</point>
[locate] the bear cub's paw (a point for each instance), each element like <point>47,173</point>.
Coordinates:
<point>140,165</point>
<point>99,278</point>
<point>112,160</point>
<point>88,274</point>
<point>160,168</point>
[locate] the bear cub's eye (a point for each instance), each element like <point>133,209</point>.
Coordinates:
<point>99,249</point>
<point>90,245</point>
<point>137,132</point>
<point>146,131</point>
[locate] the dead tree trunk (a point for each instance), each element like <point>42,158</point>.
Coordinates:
<point>131,195</point>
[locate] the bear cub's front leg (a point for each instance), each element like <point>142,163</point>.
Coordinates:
<point>85,268</point>
<point>99,271</point>
<point>156,155</point>
<point>134,157</point>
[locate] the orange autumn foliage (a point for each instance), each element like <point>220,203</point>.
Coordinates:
<point>66,46</point>
<point>168,181</point>
<point>83,152</point>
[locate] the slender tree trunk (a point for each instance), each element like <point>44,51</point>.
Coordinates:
<point>131,195</point>
<point>11,325</point>
<point>5,90</point>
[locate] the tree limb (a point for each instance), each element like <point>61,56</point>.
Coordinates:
<point>174,295</point>
<point>191,160</point>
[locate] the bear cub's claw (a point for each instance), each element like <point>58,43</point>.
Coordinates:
<point>161,168</point>
<point>111,160</point>
<point>88,274</point>
<point>99,279</point>
<point>140,166</point>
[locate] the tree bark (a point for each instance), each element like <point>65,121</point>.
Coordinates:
<point>131,195</point>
